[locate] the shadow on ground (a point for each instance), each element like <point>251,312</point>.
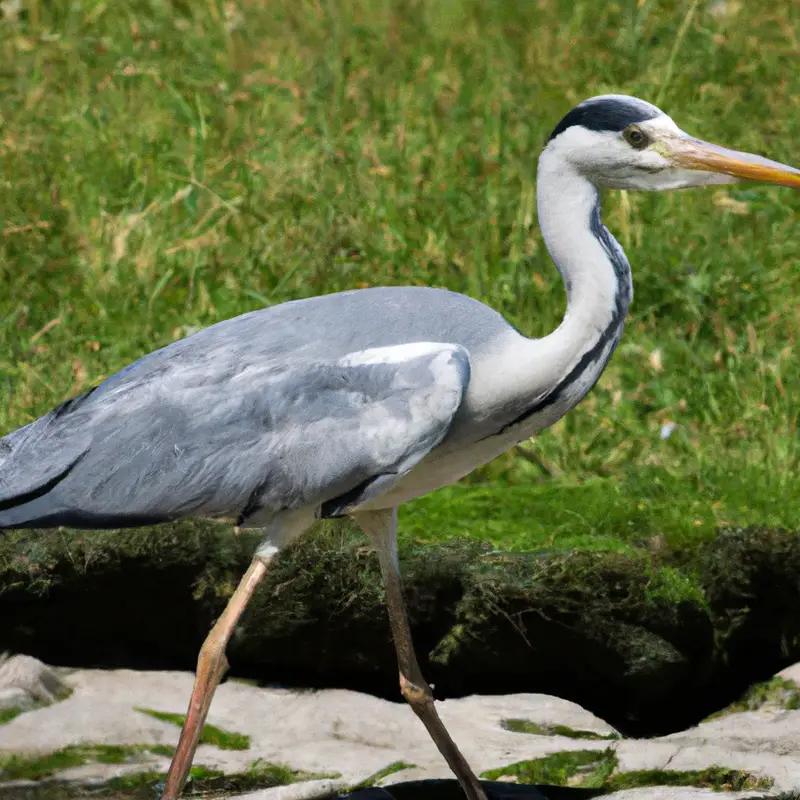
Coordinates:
<point>450,790</point>
<point>650,642</point>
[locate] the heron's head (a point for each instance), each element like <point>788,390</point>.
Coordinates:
<point>621,142</point>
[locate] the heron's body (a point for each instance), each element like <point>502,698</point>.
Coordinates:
<point>354,403</point>
<point>198,427</point>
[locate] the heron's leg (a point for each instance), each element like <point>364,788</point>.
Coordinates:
<point>381,527</point>
<point>211,666</point>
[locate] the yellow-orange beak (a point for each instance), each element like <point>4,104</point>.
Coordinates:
<point>696,154</point>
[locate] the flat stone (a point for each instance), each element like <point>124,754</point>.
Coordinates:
<point>348,737</point>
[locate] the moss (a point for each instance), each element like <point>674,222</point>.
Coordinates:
<point>225,740</point>
<point>372,780</point>
<point>527,726</point>
<point>775,692</point>
<point>280,774</point>
<point>584,768</point>
<point>203,781</point>
<point>717,778</point>
<point>135,780</point>
<point>161,750</point>
<point>260,775</point>
<point>7,714</point>
<point>18,767</point>
<point>596,769</point>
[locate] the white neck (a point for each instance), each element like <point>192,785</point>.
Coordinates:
<point>593,266</point>
<point>541,379</point>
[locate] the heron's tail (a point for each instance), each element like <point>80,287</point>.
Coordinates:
<point>34,460</point>
<point>34,505</point>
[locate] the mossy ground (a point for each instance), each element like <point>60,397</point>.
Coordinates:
<point>597,769</point>
<point>775,693</point>
<point>7,714</point>
<point>528,726</point>
<point>210,734</point>
<point>373,780</point>
<point>203,782</point>
<point>36,767</point>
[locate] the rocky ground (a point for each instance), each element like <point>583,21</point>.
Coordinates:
<point>81,733</point>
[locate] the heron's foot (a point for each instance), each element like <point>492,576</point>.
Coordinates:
<point>420,698</point>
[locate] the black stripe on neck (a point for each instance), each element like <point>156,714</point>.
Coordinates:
<point>612,331</point>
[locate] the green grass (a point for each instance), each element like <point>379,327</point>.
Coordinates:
<point>225,740</point>
<point>528,726</point>
<point>7,714</point>
<point>35,767</point>
<point>597,769</point>
<point>168,165</point>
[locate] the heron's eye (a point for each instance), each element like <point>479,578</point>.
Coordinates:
<point>636,138</point>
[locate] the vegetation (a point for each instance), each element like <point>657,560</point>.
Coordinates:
<point>204,782</point>
<point>35,767</point>
<point>597,769</point>
<point>210,734</point>
<point>527,726</point>
<point>7,714</point>
<point>372,780</point>
<point>777,692</point>
<point>589,769</point>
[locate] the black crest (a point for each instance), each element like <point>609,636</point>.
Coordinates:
<point>606,114</point>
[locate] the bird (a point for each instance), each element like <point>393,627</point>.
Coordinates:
<point>351,404</point>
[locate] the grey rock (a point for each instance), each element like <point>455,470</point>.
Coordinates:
<point>14,697</point>
<point>345,737</point>
<point>41,682</point>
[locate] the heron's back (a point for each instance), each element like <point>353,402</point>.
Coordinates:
<point>324,328</point>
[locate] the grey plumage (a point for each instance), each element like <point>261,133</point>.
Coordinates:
<point>258,413</point>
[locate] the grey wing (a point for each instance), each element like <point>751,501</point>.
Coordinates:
<point>234,442</point>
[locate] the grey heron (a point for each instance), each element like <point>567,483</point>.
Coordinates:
<point>354,403</point>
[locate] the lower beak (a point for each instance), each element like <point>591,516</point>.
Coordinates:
<point>696,154</point>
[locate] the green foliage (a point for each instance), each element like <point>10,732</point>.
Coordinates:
<point>210,734</point>
<point>528,726</point>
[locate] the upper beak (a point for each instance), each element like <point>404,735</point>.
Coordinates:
<point>696,154</point>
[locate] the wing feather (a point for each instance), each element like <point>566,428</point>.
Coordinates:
<point>240,440</point>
